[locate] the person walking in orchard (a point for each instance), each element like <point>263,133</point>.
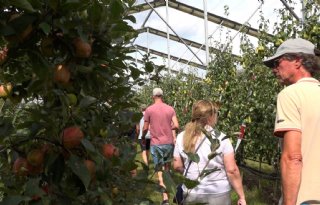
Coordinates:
<point>215,188</point>
<point>144,143</point>
<point>298,120</point>
<point>162,120</point>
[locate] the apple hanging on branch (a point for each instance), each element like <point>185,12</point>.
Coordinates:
<point>72,136</point>
<point>62,74</point>
<point>82,49</point>
<point>109,151</point>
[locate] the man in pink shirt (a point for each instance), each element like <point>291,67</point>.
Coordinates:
<point>162,120</point>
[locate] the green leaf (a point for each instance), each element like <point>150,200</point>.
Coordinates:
<point>87,101</point>
<point>78,168</point>
<point>22,4</point>
<point>13,200</point>
<point>39,64</point>
<point>194,157</point>
<point>1,104</point>
<point>6,30</point>
<point>206,172</point>
<point>213,155</point>
<point>116,9</point>
<point>53,4</point>
<point>94,12</point>
<point>84,69</point>
<point>105,199</point>
<point>32,187</point>
<point>46,28</point>
<point>135,73</point>
<point>169,183</point>
<point>87,144</point>
<point>131,18</point>
<point>190,184</point>
<point>149,67</point>
<point>36,4</point>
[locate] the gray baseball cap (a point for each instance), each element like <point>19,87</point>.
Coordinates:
<point>297,45</point>
<point>157,92</point>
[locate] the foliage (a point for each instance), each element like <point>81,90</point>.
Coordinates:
<point>69,66</point>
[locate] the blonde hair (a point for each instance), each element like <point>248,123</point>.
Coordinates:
<point>202,110</point>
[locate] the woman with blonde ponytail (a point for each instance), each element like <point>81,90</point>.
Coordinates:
<point>215,188</point>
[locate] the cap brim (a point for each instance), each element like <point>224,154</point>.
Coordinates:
<point>269,61</point>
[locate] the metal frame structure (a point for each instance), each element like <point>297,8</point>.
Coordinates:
<point>207,16</point>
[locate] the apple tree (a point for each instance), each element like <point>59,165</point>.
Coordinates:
<point>67,107</point>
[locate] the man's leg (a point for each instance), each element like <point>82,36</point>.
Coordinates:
<point>167,151</point>
<point>143,153</point>
<point>165,195</point>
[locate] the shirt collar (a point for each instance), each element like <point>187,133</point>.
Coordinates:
<point>308,79</point>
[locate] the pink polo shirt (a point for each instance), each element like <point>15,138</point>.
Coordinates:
<point>160,115</point>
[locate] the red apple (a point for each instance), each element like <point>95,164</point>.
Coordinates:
<point>109,150</point>
<point>35,157</point>
<point>82,48</point>
<point>72,136</point>
<point>21,167</point>
<point>91,166</point>
<point>62,74</point>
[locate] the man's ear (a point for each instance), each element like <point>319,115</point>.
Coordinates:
<point>297,63</point>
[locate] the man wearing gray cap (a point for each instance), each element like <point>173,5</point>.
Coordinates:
<point>298,120</point>
<point>162,120</point>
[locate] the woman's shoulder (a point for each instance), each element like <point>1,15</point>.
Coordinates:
<point>216,133</point>
<point>180,137</point>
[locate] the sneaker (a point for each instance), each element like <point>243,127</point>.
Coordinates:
<point>165,202</point>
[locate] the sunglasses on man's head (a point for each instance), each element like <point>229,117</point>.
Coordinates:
<point>289,57</point>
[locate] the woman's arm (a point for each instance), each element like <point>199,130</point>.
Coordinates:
<point>178,164</point>
<point>234,177</point>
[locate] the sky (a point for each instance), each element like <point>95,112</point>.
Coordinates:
<point>192,28</point>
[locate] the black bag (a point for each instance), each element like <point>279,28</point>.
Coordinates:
<point>178,198</point>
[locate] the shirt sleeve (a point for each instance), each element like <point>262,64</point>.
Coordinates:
<point>288,116</point>
<point>178,146</point>
<point>147,115</point>
<point>225,145</point>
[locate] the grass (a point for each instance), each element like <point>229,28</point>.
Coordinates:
<point>258,191</point>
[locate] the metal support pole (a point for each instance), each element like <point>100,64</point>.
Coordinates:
<point>143,24</point>
<point>148,40</point>
<point>226,45</point>
<point>290,10</point>
<point>174,32</point>
<point>303,14</point>
<point>211,35</point>
<point>205,12</point>
<point>168,36</point>
<point>136,55</point>
<point>147,18</point>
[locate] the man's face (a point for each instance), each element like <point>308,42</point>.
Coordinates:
<point>284,70</point>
